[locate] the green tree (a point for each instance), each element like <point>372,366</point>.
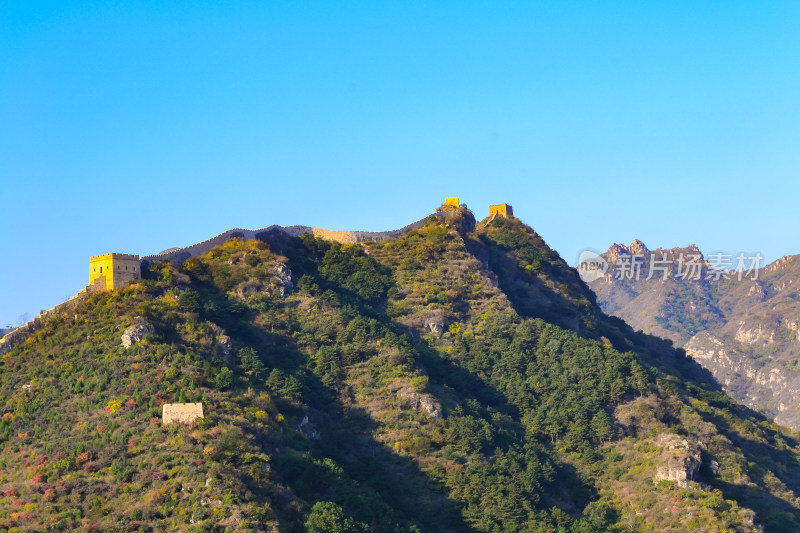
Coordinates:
<point>224,378</point>
<point>189,300</point>
<point>327,517</point>
<point>250,361</point>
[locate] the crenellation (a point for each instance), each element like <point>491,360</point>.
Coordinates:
<point>178,255</point>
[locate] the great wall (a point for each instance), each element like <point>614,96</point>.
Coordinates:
<point>451,207</point>
<point>178,255</point>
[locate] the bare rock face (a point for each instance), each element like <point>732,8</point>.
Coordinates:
<point>136,332</point>
<point>768,386</point>
<point>435,326</point>
<point>280,282</point>
<point>679,461</point>
<point>420,401</point>
<point>304,428</point>
<point>283,275</point>
<point>224,346</point>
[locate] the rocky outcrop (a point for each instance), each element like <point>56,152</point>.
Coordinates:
<point>754,333</point>
<point>679,461</point>
<point>305,429</point>
<point>416,400</point>
<point>134,333</point>
<point>280,282</point>
<point>283,277</point>
<point>435,325</point>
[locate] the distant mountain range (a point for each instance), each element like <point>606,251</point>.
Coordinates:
<point>742,326</point>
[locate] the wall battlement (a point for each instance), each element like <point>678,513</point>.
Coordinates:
<point>178,255</point>
<point>116,256</point>
<point>114,270</point>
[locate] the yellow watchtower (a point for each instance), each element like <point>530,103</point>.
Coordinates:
<point>502,210</point>
<point>453,202</point>
<point>112,271</point>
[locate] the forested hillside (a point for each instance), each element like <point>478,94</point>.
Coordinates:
<point>460,377</point>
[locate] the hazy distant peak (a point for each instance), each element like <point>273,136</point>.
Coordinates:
<point>639,248</point>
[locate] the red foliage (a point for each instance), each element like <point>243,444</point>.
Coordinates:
<point>100,429</point>
<point>82,457</point>
<point>130,403</point>
<point>10,493</point>
<point>49,495</point>
<point>36,479</point>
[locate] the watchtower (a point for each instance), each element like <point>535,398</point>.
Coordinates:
<point>503,210</point>
<point>112,271</point>
<point>453,202</point>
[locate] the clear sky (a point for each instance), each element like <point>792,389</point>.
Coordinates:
<point>132,127</point>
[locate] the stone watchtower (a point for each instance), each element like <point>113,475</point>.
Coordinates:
<point>112,271</point>
<point>502,210</point>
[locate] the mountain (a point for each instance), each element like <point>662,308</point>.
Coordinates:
<point>455,377</point>
<point>743,330</point>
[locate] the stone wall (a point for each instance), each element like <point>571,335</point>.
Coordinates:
<point>183,413</point>
<point>20,334</point>
<point>179,255</point>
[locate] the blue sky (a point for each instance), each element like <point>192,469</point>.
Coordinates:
<point>137,126</point>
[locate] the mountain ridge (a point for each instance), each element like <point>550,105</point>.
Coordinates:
<point>459,377</point>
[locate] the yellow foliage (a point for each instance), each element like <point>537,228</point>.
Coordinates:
<point>114,405</point>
